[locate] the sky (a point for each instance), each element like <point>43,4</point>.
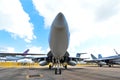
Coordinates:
<point>94,25</point>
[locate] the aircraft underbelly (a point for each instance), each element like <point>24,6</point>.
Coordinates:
<point>59,43</point>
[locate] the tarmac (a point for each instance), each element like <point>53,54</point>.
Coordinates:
<point>72,73</point>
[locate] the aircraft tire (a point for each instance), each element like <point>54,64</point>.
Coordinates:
<point>109,65</point>
<point>100,65</point>
<point>65,66</point>
<point>50,66</point>
<point>56,71</point>
<point>59,71</point>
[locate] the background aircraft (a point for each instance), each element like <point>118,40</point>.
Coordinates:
<point>110,61</point>
<point>96,60</point>
<point>9,57</point>
<point>15,56</point>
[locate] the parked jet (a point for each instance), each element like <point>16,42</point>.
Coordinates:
<point>96,60</point>
<point>58,43</point>
<point>110,61</point>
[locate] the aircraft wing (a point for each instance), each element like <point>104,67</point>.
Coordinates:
<point>78,57</point>
<point>14,54</point>
<point>103,59</point>
<point>38,59</point>
<point>92,61</point>
<point>15,58</point>
<point>109,58</point>
<point>2,58</point>
<point>11,59</point>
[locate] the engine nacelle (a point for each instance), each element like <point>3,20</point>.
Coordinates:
<point>102,63</point>
<point>72,63</point>
<point>43,63</point>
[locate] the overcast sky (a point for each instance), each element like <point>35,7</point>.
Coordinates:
<point>94,25</point>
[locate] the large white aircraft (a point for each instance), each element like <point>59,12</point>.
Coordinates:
<point>58,42</point>
<point>10,57</point>
<point>6,56</point>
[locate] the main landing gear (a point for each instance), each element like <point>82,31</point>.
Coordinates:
<point>50,66</point>
<point>65,66</point>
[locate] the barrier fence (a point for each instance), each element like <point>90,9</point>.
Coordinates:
<point>28,65</point>
<point>18,64</point>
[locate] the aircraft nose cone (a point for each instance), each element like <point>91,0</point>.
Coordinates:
<point>59,21</point>
<point>60,15</point>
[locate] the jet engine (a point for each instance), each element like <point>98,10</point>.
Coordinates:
<point>102,63</point>
<point>43,63</point>
<point>72,63</point>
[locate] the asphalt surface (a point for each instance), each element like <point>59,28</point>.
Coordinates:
<point>72,73</point>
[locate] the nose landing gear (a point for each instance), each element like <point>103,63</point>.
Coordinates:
<point>58,69</point>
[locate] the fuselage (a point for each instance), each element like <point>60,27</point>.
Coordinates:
<point>59,36</point>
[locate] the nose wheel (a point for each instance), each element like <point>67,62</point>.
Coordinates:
<point>57,71</point>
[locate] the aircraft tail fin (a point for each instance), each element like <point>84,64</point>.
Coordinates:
<point>93,57</point>
<point>79,54</point>
<point>99,56</point>
<point>25,52</point>
<point>116,52</point>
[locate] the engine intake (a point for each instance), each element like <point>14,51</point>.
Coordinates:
<point>72,63</point>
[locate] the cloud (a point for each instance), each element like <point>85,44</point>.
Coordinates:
<point>87,19</point>
<point>14,20</point>
<point>33,49</point>
<point>107,9</point>
<point>37,50</point>
<point>7,49</point>
<point>105,50</point>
